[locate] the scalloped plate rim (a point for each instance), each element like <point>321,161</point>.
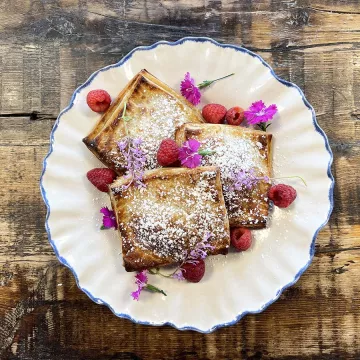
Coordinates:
<point>317,127</point>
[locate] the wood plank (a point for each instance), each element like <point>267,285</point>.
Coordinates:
<point>318,73</point>
<point>291,26</point>
<point>22,211</point>
<point>21,130</point>
<point>321,304</point>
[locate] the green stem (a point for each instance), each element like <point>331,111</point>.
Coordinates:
<point>157,272</point>
<point>290,177</point>
<point>153,272</point>
<point>163,275</point>
<point>123,115</point>
<point>154,289</point>
<point>206,83</point>
<point>125,119</point>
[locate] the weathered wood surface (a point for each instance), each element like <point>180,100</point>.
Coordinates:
<point>47,49</point>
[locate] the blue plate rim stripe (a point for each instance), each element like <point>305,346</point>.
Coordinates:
<point>120,63</point>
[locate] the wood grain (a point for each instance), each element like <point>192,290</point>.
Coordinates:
<point>47,49</point>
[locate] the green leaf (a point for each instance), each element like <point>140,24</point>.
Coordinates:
<point>104,227</point>
<point>205,84</point>
<point>206,152</point>
<point>153,288</point>
<point>262,126</point>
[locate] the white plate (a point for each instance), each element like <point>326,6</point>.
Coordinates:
<point>234,285</point>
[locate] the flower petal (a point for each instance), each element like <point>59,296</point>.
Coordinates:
<point>192,161</point>
<point>137,142</point>
<point>178,275</point>
<point>193,145</point>
<point>259,113</point>
<point>189,90</point>
<point>122,144</point>
<point>108,222</point>
<point>271,111</point>
<point>106,211</point>
<point>257,106</point>
<point>189,78</point>
<point>135,159</point>
<point>194,96</point>
<point>136,294</point>
<point>142,277</point>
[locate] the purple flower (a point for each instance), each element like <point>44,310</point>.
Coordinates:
<point>192,92</point>
<point>136,294</point>
<point>178,275</point>
<point>259,113</point>
<point>246,179</point>
<point>188,154</point>
<point>137,142</point>
<point>135,160</point>
<point>141,277</point>
<point>122,145</point>
<point>200,250</point>
<point>189,90</point>
<point>109,219</point>
<point>141,280</point>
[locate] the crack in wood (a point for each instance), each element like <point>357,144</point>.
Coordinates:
<point>284,47</point>
<point>34,115</point>
<point>139,22</point>
<point>333,11</point>
<point>336,250</point>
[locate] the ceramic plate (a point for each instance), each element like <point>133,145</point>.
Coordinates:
<point>236,284</point>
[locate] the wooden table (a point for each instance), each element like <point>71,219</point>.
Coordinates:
<point>47,49</point>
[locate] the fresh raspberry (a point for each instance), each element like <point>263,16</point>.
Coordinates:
<point>101,178</point>
<point>194,272</point>
<point>235,116</point>
<point>240,238</point>
<point>214,113</point>
<point>168,153</point>
<point>98,100</point>
<point>282,195</point>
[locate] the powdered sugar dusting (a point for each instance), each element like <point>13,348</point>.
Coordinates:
<point>160,123</point>
<point>172,214</point>
<point>153,117</point>
<point>234,152</point>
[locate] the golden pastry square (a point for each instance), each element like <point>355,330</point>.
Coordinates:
<point>236,149</point>
<point>173,213</point>
<point>153,112</point>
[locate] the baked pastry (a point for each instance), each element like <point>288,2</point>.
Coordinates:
<point>153,110</point>
<point>237,149</point>
<point>178,207</point>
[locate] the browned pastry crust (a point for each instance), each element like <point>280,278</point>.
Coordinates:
<point>236,148</point>
<point>170,216</point>
<point>155,111</point>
